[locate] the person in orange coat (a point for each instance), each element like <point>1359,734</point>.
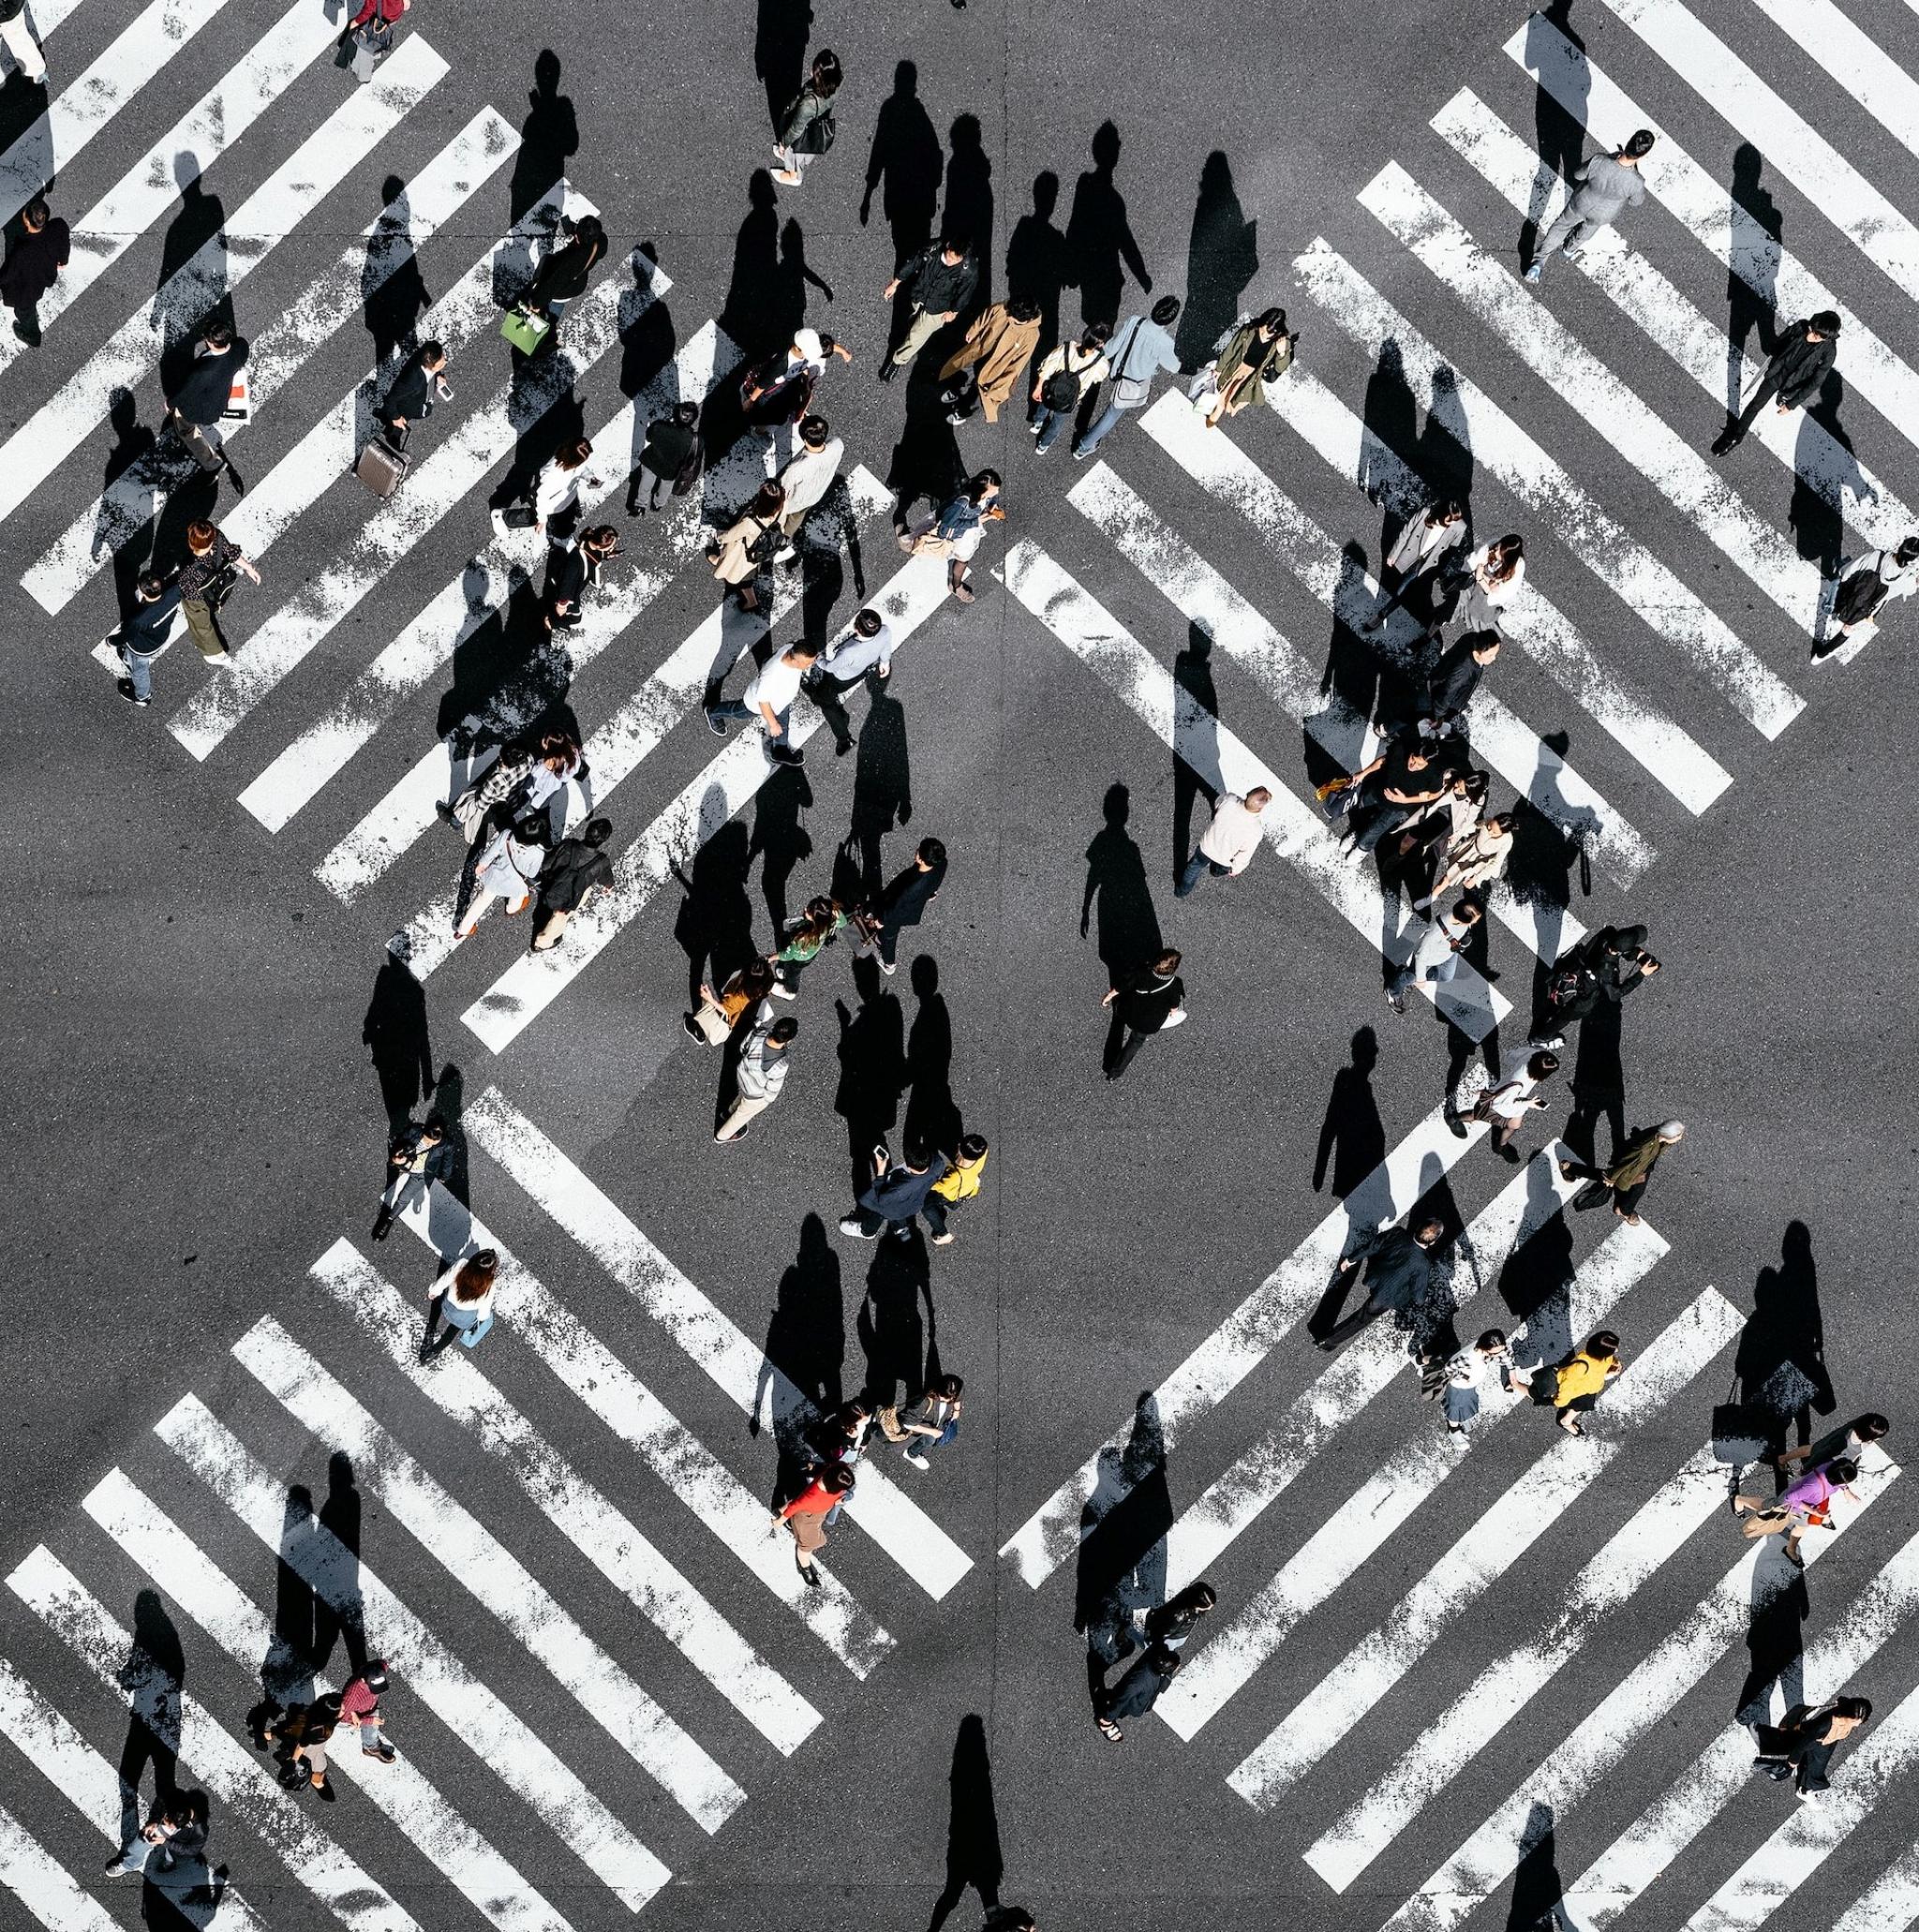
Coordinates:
<point>998,347</point>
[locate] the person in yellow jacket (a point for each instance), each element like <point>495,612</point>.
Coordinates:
<point>958,1184</point>
<point>1581,1379</point>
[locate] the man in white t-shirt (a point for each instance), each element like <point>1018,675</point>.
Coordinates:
<point>769,698</point>
<point>1226,846</point>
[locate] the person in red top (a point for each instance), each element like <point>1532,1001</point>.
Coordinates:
<point>386,11</point>
<point>360,1701</point>
<point>805,1516</point>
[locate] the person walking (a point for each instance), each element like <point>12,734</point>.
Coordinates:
<point>1575,1385</point>
<point>713,1020</point>
<point>997,347</point>
<point>555,503</point>
<point>748,545</point>
<point>1138,1690</point>
<point>574,869</point>
<point>562,276</point>
<point>777,391</point>
<point>1847,1440</point>
<point>1429,549</point>
<point>1507,1101</point>
<point>805,128</point>
<point>1256,353</point>
<point>1440,823</point>
<point>1143,348</point>
<point>462,1300</point>
<point>1603,189</point>
<point>903,902</point>
<point>806,937</point>
<point>671,458</point>
<point>810,475</point>
<point>1475,861</point>
<point>17,37</point>
<point>360,1706</point>
<point>897,1194</point>
<point>572,571</point>
<point>1383,796</point>
<point>1398,1263</point>
<point>1804,1503</point>
<point>421,383</point>
<point>1491,578</point>
<point>1226,846</point>
<point>1624,1182</point>
<point>939,282</point>
<point>35,257</point>
<point>204,582</point>
<point>1438,953</point>
<point>200,395</point>
<point>1151,1001</point>
<point>416,1157</point>
<point>1455,679</point>
<point>864,650</point>
<point>507,868</point>
<point>1061,381</point>
<point>302,1733</point>
<point>761,1072</point>
<point>146,634</point>
<point>1864,591</point>
<point>804,1517</point>
<point>1171,1622</point>
<point>1468,1376</point>
<point>935,1425</point>
<point>957,1185</point>
<point>769,698</point>
<point>1799,1749</point>
<point>959,531</point>
<point>1793,377</point>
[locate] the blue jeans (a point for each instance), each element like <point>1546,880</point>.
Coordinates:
<point>1051,422</point>
<point>140,671</point>
<point>1104,425</point>
<point>1197,868</point>
<point>748,714</point>
<point>471,1332</point>
<point>926,1445</point>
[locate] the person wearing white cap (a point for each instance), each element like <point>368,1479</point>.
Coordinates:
<point>1624,1182</point>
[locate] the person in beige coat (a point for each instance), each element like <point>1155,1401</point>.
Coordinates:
<point>998,347</point>
<point>741,552</point>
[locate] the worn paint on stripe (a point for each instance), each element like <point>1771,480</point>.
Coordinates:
<point>44,1886</point>
<point>516,1753</point>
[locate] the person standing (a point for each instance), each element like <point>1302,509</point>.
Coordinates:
<point>1426,550</point>
<point>1577,1383</point>
<point>997,347</point>
<point>555,499</point>
<point>1398,1263</point>
<point>897,1194</point>
<point>864,650</point>
<point>939,282</point>
<point>805,128</point>
<point>203,583</point>
<point>34,260</point>
<point>1508,1100</point>
<point>1471,1373</point>
<point>804,1517</point>
<point>957,1185</point>
<point>304,1733</point>
<point>359,1700</point>
<point>421,383</point>
<point>1624,1182</point>
<point>1257,352</point>
<point>671,456</point>
<point>1847,1440</point>
<point>507,870</point>
<point>416,1157</point>
<point>201,393</point>
<point>959,531</point>
<point>1438,955</point>
<point>1864,591</point>
<point>1226,848</point>
<point>769,698</point>
<point>1152,1001</point>
<point>17,36</point>
<point>748,545</point>
<point>1795,375</point>
<point>575,870</point>
<point>809,476</point>
<point>761,1072</point>
<point>145,633</point>
<point>463,1303</point>
<point>1138,1690</point>
<point>1062,383</point>
<point>1800,1748</point>
<point>1143,348</point>
<point>562,277</point>
<point>935,1425</point>
<point>1604,188</point>
<point>902,903</point>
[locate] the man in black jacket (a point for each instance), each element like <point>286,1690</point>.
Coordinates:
<point>201,397</point>
<point>34,261</point>
<point>574,869</point>
<point>1399,1272</point>
<point>1456,675</point>
<point>903,902</point>
<point>570,569</point>
<point>1795,375</point>
<point>1153,1001</point>
<point>939,283</point>
<point>419,385</point>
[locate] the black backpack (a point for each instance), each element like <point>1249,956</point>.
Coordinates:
<point>1060,391</point>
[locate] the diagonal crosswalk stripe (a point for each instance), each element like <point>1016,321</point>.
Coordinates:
<point>729,782</point>
<point>1887,238</point>
<point>432,640</point>
<point>588,1518</point>
<point>1690,772</point>
<point>279,350</point>
<point>1718,221</point>
<point>304,182</point>
<point>1147,689</point>
<point>243,1785</point>
<point>436,1827</point>
<point>447,478</point>
<point>144,193</point>
<point>43,1885</point>
<point>1677,1662</point>
<point>1857,62</point>
<point>1673,325</point>
<point>1498,1538</point>
<point>1687,479</point>
<point>1606,548</point>
<point>587,1369</point>
<point>1635,1859</point>
<point>477,1560</point>
<point>514,1751</point>
<point>707,1333</point>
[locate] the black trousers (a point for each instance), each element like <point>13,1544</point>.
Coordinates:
<point>1364,1316</point>
<point>1766,391</point>
<point>828,693</point>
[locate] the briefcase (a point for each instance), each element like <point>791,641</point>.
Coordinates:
<point>381,468</point>
<point>524,332</point>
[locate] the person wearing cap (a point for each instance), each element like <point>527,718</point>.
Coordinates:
<point>1603,189</point>
<point>1624,1182</point>
<point>1795,375</point>
<point>360,1704</point>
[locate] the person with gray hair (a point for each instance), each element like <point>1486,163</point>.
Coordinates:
<point>1624,1180</point>
<point>1604,188</point>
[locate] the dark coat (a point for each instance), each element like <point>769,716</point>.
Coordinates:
<point>907,897</point>
<point>572,870</point>
<point>207,384</point>
<point>34,264</point>
<point>1398,1271</point>
<point>1799,368</point>
<point>411,395</point>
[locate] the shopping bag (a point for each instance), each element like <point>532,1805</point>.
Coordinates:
<point>524,332</point>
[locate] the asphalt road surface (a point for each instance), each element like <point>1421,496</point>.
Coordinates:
<point>1450,1681</point>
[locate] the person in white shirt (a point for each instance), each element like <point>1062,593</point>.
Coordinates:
<point>1226,846</point>
<point>760,1073</point>
<point>1439,953</point>
<point>556,496</point>
<point>810,475</point>
<point>864,650</point>
<point>1494,574</point>
<point>1508,1101</point>
<point>507,869</point>
<point>769,698</point>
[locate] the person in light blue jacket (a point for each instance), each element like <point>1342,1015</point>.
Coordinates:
<point>1141,348</point>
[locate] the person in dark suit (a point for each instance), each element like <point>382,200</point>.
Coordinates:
<point>903,902</point>
<point>1795,376</point>
<point>199,397</point>
<point>421,383</point>
<point>570,569</point>
<point>1399,1270</point>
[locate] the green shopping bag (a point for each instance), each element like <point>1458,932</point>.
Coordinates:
<point>526,333</point>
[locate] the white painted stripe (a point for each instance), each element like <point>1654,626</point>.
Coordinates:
<point>408,811</point>
<point>145,192</point>
<point>1832,1663</point>
<point>516,1752</point>
<point>279,350</point>
<point>477,1560</point>
<point>1294,831</point>
<point>1511,747</point>
<point>1683,475</point>
<point>1718,222</point>
<point>242,1784</point>
<point>1789,142</point>
<point>725,788</point>
<point>448,476</point>
<point>1672,1668</point>
<point>700,1327</point>
<point>1367,1367</point>
<point>616,749</point>
<point>600,1531</point>
<point>306,180</point>
<point>44,1885</point>
<point>1544,633</point>
<point>92,1786</point>
<point>84,108</point>
<point>1855,61</point>
<point>1499,1535</point>
<point>47,15</point>
<point>435,1826</point>
<point>1891,1902</point>
<point>1606,548</point>
<point>428,644</point>
<point>586,1368</point>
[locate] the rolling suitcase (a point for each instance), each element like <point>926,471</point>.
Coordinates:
<point>383,465</point>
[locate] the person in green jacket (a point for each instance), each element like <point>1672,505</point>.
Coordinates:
<point>1257,352</point>
<point>1625,1182</point>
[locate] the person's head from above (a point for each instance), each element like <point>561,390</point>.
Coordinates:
<point>1447,513</point>
<point>1199,1597</point>
<point>1097,335</point>
<point>1271,324</point>
<point>837,1479</point>
<point>769,500</point>
<point>784,1029</point>
<point>218,336</point>
<point>1505,556</point>
<point>1638,146</point>
<point>813,432</point>
<point>869,623</point>
<point>150,586</point>
<point>802,650</point>
<point>1500,824</point>
<point>572,454</point>
<point>1870,1427</point>
<point>947,1387</point>
<point>1543,1064</point>
<point>433,1129</point>
<point>1259,798</point>
<point>1908,553</point>
<point>1167,963</point>
<point>1467,912</point>
<point>199,536</point>
<point>1671,1131</point>
<point>827,75</point>
<point>756,977</point>
<point>1428,1232</point>
<point>597,832</point>
<point>36,215</point>
<point>1485,646</point>
<point>374,1675</point>
<point>1469,785</point>
<point>1419,755</point>
<point>1491,1339</point>
<point>1022,309</point>
<point>1857,1708</point>
<point>1823,326</point>
<point>433,357</point>
<point>1602,1345</point>
<point>1841,1470</point>
<point>985,486</point>
<point>952,250</point>
<point>601,540</point>
<point>930,856</point>
<point>590,230</point>
<point>809,346</point>
<point>822,911</point>
<point>973,1150</point>
<point>917,1155</point>
<point>533,828</point>
<point>1166,311</point>
<point>686,414</point>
